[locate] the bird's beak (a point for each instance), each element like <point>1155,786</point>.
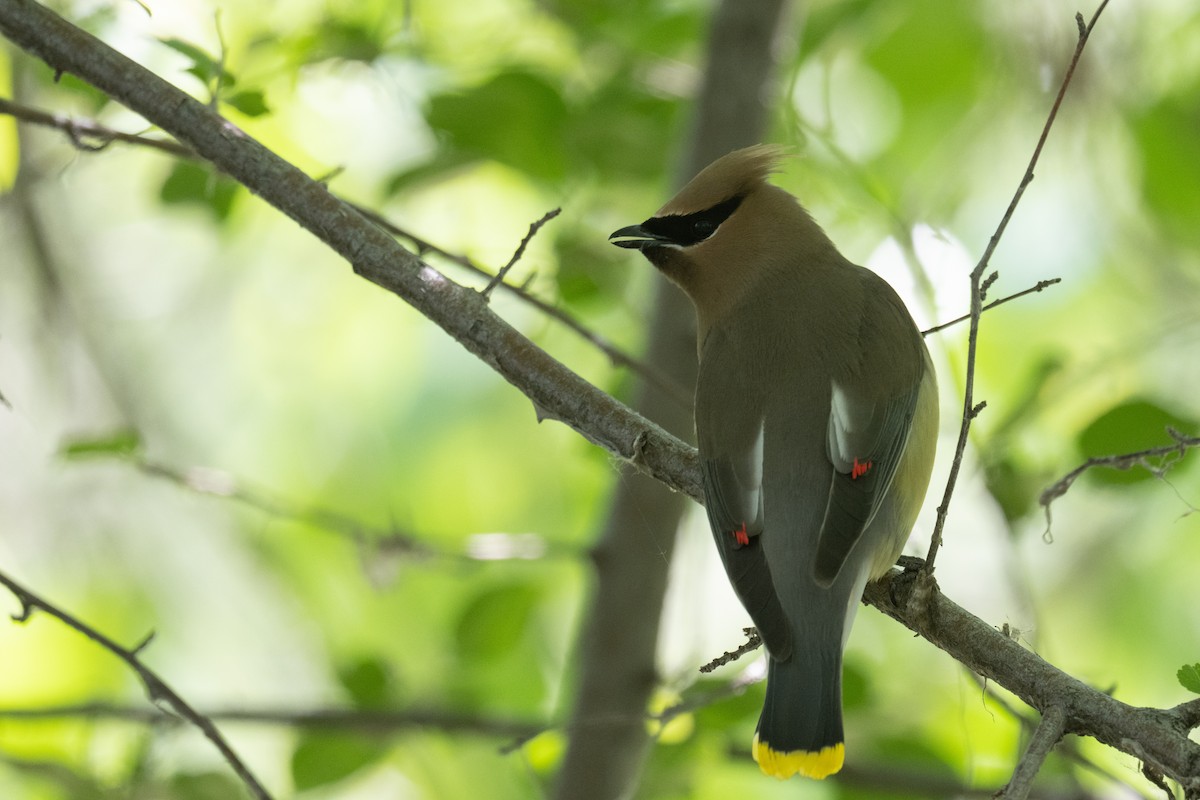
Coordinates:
<point>635,237</point>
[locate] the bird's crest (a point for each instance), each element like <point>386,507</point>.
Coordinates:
<point>737,173</point>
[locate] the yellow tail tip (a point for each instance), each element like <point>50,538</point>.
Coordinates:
<point>817,764</point>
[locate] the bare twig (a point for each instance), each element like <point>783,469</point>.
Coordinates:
<point>1047,734</point>
<point>616,356</point>
<point>1170,453</point>
<point>221,484</point>
<point>375,539</point>
<point>315,718</point>
<point>752,643</point>
<point>88,134</point>
<point>1040,286</point>
<point>520,251</point>
<point>91,136</point>
<point>156,687</point>
<point>970,408</point>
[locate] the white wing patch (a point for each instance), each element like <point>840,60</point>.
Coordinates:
<point>756,463</point>
<point>847,419</point>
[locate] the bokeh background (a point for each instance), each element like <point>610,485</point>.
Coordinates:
<point>214,431</point>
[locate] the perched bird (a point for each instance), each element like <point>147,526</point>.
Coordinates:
<point>816,418</point>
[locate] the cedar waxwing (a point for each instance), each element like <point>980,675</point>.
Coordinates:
<point>816,417</point>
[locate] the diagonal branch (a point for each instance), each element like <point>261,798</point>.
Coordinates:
<point>557,392</point>
<point>979,287</point>
<point>90,135</point>
<point>1047,734</point>
<point>1157,737</point>
<point>157,689</point>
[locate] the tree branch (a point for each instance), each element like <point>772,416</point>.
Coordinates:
<point>1124,461</point>
<point>979,288</point>
<point>1047,734</point>
<point>157,689</point>
<point>1157,737</point>
<point>1037,287</point>
<point>83,132</point>
<point>316,718</point>
<point>557,392</point>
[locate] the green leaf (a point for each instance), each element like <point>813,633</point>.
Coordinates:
<point>1171,185</point>
<point>204,786</point>
<point>251,103</point>
<point>119,444</point>
<point>516,118</point>
<point>493,623</point>
<point>1189,677</point>
<point>587,272</point>
<point>632,150</point>
<point>345,39</point>
<point>192,184</point>
<point>1127,428</point>
<point>369,683</point>
<point>322,758</point>
<point>204,66</point>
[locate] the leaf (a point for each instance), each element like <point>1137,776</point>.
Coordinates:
<point>250,102</point>
<point>493,623</point>
<point>587,271</point>
<point>1127,428</point>
<point>120,444</point>
<point>204,786</point>
<point>369,683</point>
<point>516,118</point>
<point>1170,184</point>
<point>322,758</point>
<point>1189,677</point>
<point>205,67</point>
<point>192,184</point>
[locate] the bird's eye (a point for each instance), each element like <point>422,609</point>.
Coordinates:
<point>703,228</point>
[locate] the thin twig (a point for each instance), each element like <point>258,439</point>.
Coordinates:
<point>1123,461</point>
<point>970,408</point>
<point>156,687</point>
<point>753,642</point>
<point>1047,734</point>
<point>388,540</point>
<point>221,484</point>
<point>353,719</point>
<point>616,356</point>
<point>80,131</point>
<point>520,251</point>
<point>1040,286</point>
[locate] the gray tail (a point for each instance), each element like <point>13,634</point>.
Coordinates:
<point>800,730</point>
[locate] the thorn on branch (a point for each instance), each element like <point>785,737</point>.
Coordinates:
<point>143,644</point>
<point>520,251</point>
<point>26,611</point>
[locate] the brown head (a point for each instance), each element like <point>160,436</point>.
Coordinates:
<point>727,229</point>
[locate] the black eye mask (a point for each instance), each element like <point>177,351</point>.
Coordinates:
<point>689,229</point>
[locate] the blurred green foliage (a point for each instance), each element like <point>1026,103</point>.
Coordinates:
<point>228,340</point>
